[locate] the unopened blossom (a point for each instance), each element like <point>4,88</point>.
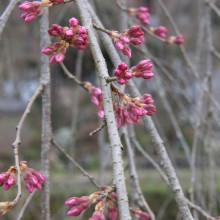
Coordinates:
<point>58,51</point>
<point>97,215</point>
<point>141,13</point>
<point>142,69</point>
<point>160,31</point>
<point>140,215</point>
<point>30,10</point>
<point>179,39</point>
<point>7,179</point>
<point>133,35</point>
<point>5,207</point>
<point>32,178</point>
<point>132,109</point>
<point>72,36</point>
<point>112,209</point>
<point>121,115</point>
<point>78,205</point>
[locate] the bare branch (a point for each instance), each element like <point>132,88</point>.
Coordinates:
<point>109,112</point>
<point>17,140</point>
<point>6,14</point>
<point>46,116</point>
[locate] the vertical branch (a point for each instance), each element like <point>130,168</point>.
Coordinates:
<point>75,111</point>
<point>115,141</point>
<point>4,17</point>
<point>137,194</point>
<point>46,116</point>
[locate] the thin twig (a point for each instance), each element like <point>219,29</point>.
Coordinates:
<point>27,202</point>
<point>84,172</point>
<point>137,194</point>
<point>99,128</point>
<point>71,76</point>
<point>17,140</point>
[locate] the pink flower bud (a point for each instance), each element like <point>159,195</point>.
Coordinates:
<point>75,211</point>
<point>47,50</point>
<point>11,179</point>
<point>127,51</point>
<point>97,215</point>
<point>6,186</point>
<point>119,44</point>
<point>121,81</point>
<point>137,41</point>
<point>117,72</point>
<point>59,57</point>
<point>128,74</point>
<point>147,74</point>
<point>82,30</point>
<point>179,40</point>
<point>72,201</point>
<point>69,32</point>
<point>73,22</point>
<point>124,39</point>
<point>143,9</point>
<point>56,30</point>
<point>26,6</point>
<point>122,66</point>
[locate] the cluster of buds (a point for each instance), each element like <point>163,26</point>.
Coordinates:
<point>141,13</point>
<point>80,204</point>
<point>161,32</point>
<point>32,178</point>
<point>140,215</point>
<point>7,179</point>
<point>142,69</point>
<point>74,36</point>
<point>32,9</point>
<point>133,108</point>
<point>96,98</point>
<point>133,35</point>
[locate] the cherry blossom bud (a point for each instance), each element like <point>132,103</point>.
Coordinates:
<point>179,39</point>
<point>119,44</point>
<point>97,215</point>
<point>75,211</point>
<point>124,39</point>
<point>160,31</point>
<point>73,22</point>
<point>127,51</point>
<point>47,50</point>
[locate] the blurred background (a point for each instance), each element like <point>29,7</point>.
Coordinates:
<point>186,115</point>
